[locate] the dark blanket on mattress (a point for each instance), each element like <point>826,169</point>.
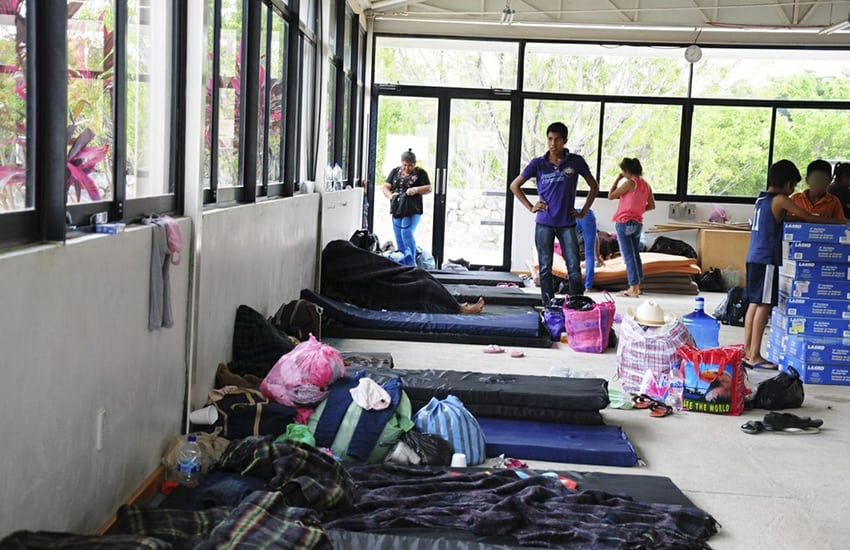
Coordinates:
<point>536,511</point>
<point>356,276</point>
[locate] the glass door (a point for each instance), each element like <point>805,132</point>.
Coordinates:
<point>474,185</point>
<point>405,123</point>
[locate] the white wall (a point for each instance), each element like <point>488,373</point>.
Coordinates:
<point>73,340</point>
<point>523,224</point>
<point>260,255</point>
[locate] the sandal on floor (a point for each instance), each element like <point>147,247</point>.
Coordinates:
<point>780,421</point>
<point>625,294</point>
<point>761,365</point>
<point>752,427</point>
<point>517,354</point>
<point>790,430</point>
<point>660,410</point>
<point>494,348</point>
<point>642,401</point>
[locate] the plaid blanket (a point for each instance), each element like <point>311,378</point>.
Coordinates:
<point>308,477</point>
<point>351,274</point>
<point>537,511</point>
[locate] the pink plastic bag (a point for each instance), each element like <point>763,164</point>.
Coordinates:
<point>302,376</point>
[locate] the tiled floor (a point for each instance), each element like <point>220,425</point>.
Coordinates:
<point>768,491</point>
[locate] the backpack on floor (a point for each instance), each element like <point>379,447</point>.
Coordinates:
<point>299,318</point>
<point>733,308</point>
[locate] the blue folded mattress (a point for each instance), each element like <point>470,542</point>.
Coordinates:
<point>576,444</point>
<point>514,325</point>
<point>489,278</point>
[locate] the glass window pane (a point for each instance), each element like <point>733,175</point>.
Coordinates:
<point>346,53</point>
<point>772,74</point>
<point>803,135</point>
<point>261,93</point>
<point>91,79</point>
<point>729,148</point>
<point>649,133</point>
<point>308,103</point>
<point>346,125</point>
<point>332,27</point>
<point>445,62</point>
<point>605,69</point>
<point>230,84</point>
<point>331,112</point>
<point>208,119</point>
<point>307,13</point>
<point>148,98</point>
<point>581,118</point>
<point>13,115</point>
<point>277,96</point>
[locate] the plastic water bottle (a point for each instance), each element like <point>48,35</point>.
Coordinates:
<point>703,327</point>
<point>677,388</point>
<point>189,462</point>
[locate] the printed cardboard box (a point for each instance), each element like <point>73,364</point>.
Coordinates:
<point>816,232</point>
<point>810,326</point>
<point>838,375</point>
<point>831,290</point>
<point>813,307</point>
<point>816,252</point>
<point>818,351</point>
<point>811,271</point>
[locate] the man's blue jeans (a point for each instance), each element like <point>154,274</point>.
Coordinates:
<point>628,236</point>
<point>544,240</point>
<point>405,241</point>
<point>588,228</point>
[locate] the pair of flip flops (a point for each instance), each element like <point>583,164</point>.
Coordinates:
<point>495,348</point>
<point>783,423</point>
<point>656,408</point>
<point>762,365</point>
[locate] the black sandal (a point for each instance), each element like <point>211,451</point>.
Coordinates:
<point>752,427</point>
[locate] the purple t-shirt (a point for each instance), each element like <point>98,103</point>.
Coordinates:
<point>557,186</point>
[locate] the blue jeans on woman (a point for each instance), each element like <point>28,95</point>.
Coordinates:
<point>405,241</point>
<point>628,236</point>
<point>544,240</point>
<point>587,227</point>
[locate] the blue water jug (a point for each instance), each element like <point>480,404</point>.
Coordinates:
<point>703,327</point>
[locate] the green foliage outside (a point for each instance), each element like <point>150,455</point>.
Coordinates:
<point>729,145</point>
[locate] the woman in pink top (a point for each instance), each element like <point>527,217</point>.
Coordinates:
<point>635,198</point>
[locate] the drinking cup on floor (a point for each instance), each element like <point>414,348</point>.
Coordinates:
<point>458,460</point>
<point>206,416</point>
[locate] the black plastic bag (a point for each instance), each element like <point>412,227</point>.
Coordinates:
<point>783,391</point>
<point>666,245</point>
<point>711,281</point>
<point>432,449</point>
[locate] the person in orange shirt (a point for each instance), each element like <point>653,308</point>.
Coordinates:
<point>815,199</point>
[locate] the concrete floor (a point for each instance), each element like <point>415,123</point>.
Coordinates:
<point>767,491</point>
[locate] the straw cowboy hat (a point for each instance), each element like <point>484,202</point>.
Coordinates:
<point>651,314</point>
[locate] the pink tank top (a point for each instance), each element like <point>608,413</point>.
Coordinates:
<point>632,205</point>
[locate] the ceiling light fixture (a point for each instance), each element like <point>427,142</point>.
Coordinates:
<point>507,14</point>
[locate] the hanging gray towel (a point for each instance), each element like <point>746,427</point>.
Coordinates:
<point>160,288</point>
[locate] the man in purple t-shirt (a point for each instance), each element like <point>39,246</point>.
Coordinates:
<point>557,173</point>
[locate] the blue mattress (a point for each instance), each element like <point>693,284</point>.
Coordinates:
<point>526,324</point>
<point>530,440</point>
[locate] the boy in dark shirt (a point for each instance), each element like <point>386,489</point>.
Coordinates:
<point>765,254</point>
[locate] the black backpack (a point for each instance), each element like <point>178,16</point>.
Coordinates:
<point>733,308</point>
<point>299,318</point>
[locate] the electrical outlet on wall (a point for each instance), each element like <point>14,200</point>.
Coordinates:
<point>690,211</point>
<point>675,211</point>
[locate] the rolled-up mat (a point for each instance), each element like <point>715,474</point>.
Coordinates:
<point>531,440</point>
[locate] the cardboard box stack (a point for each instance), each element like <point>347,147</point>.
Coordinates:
<point>810,328</point>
